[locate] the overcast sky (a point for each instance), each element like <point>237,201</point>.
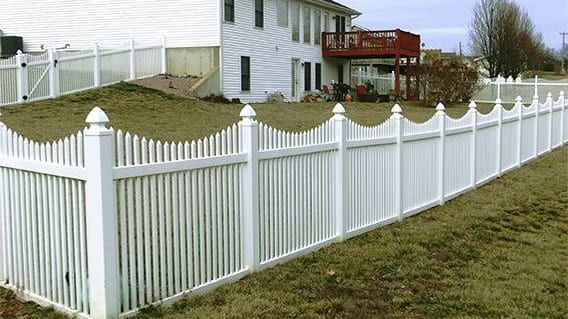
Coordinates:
<point>444,23</point>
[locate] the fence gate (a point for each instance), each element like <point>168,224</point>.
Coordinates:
<point>37,70</point>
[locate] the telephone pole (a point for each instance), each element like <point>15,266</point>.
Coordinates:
<point>563,49</point>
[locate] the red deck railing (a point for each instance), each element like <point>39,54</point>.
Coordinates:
<point>367,44</point>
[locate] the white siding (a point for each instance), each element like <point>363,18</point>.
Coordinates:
<point>271,50</point>
<point>80,23</point>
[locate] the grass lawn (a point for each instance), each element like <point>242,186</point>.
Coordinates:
<point>167,117</point>
<point>497,252</point>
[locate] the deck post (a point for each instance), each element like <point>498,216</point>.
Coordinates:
<point>397,75</point>
<point>408,67</point>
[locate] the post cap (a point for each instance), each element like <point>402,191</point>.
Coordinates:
<point>440,107</point>
<point>519,99</point>
<point>549,95</point>
<point>472,105</point>
<point>396,109</point>
<point>339,109</point>
<point>248,114</point>
<point>97,120</point>
<point>561,94</point>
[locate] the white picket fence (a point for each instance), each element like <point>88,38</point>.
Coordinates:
<point>384,83</point>
<point>103,223</point>
<point>508,89</point>
<point>34,77</point>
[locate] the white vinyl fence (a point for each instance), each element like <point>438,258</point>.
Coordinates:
<point>508,89</point>
<point>34,77</point>
<point>384,83</point>
<point>103,223</point>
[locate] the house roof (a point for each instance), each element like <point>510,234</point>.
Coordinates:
<point>338,6</point>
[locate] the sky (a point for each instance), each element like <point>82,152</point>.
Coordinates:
<point>444,23</point>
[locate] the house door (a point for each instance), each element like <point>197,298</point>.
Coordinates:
<point>296,85</point>
<point>340,24</point>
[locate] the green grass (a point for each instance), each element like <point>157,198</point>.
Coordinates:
<point>167,117</point>
<point>497,252</point>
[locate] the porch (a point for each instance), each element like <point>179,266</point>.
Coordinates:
<point>402,46</point>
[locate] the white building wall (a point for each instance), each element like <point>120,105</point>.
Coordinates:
<point>271,50</point>
<point>80,23</point>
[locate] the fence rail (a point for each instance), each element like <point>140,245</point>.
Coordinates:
<point>29,77</point>
<point>104,223</point>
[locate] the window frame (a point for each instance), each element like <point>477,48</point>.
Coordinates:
<point>295,10</point>
<point>232,11</point>
<point>307,76</point>
<point>278,17</point>
<point>259,19</point>
<point>318,77</point>
<point>247,75</point>
<point>317,26</point>
<point>309,24</point>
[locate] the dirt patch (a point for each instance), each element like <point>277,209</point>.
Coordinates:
<point>178,85</point>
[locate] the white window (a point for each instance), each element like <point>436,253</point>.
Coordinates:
<point>295,13</point>
<point>282,11</point>
<point>317,26</point>
<point>307,25</point>
<point>326,22</point>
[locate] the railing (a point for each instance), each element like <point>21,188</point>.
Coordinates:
<point>368,43</point>
<point>29,77</point>
<point>104,223</point>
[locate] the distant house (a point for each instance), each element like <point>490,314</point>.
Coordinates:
<point>244,49</point>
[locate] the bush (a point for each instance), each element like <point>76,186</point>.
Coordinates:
<point>217,98</point>
<point>447,81</point>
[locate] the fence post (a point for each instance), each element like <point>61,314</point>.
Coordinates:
<point>102,241</point>
<point>97,65</point>
<point>519,105</point>
<point>3,212</point>
<point>499,107</point>
<point>164,56</point>
<point>132,60</point>
<point>537,107</point>
<point>341,208</point>
<point>473,155</point>
<point>249,139</point>
<point>53,73</point>
<point>550,103</point>
<point>441,115</point>
<point>22,76</point>
<point>562,106</point>
<point>399,129</point>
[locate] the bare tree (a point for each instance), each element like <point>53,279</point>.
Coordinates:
<point>505,35</point>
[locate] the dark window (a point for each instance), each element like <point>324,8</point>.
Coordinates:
<point>318,76</point>
<point>340,24</point>
<point>340,74</point>
<point>307,76</point>
<point>230,10</point>
<point>259,13</point>
<point>245,73</point>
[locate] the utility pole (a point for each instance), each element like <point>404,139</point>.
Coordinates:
<point>563,49</point>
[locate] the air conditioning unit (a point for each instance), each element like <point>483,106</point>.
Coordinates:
<point>9,45</point>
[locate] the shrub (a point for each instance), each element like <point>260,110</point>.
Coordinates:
<point>447,80</point>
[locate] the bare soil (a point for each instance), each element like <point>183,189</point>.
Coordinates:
<point>178,85</point>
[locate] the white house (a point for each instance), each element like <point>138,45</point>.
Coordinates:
<point>245,49</point>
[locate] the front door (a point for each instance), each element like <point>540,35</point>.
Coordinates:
<point>296,80</point>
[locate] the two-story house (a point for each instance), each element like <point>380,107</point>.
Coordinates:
<point>244,49</point>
